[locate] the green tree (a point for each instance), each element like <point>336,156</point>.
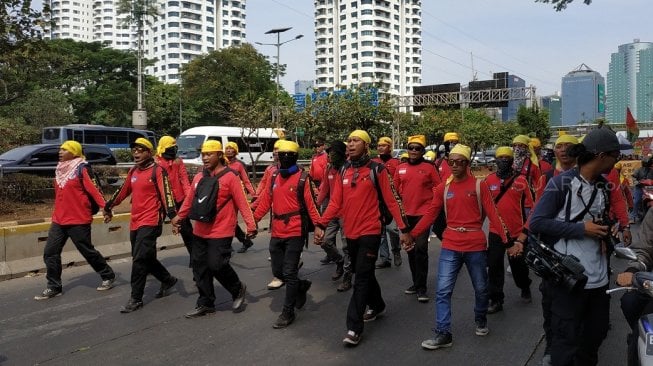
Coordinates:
<point>20,24</point>
<point>40,108</point>
<point>559,5</point>
<point>215,82</point>
<point>534,122</point>
<point>16,133</point>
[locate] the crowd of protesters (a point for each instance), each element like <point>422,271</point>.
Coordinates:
<point>378,206</point>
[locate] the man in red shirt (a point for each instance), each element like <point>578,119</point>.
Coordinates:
<point>152,200</point>
<point>357,198</point>
<point>212,246</point>
<point>466,201</point>
<point>166,158</point>
<point>415,181</point>
<point>511,196</point>
<point>384,148</point>
<point>318,162</point>
<point>544,165</point>
<point>72,218</point>
<point>451,139</point>
<point>289,226</point>
<point>231,152</point>
<point>525,161</point>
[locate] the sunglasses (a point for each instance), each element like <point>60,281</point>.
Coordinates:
<point>457,162</point>
<point>139,149</point>
<point>414,148</point>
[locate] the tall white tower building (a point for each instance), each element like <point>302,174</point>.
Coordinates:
<point>183,30</point>
<point>368,43</point>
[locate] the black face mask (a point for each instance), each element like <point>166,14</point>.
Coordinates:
<point>337,160</point>
<point>287,159</point>
<point>504,168</point>
<point>170,153</point>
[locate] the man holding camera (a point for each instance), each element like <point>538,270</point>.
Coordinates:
<point>570,219</point>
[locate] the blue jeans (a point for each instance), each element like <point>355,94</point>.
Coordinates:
<point>449,265</point>
<point>391,231</point>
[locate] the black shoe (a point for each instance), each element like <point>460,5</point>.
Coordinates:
<point>422,296</point>
<point>346,283</point>
<point>351,339</point>
<point>384,264</point>
<point>340,270</point>
<point>441,340</point>
<point>397,259</point>
<point>494,307</point>
<point>200,310</point>
<point>132,305</point>
<point>412,290</point>
<point>526,296</point>
<point>165,287</point>
<point>300,301</point>
<point>240,299</point>
<point>284,320</point>
<point>326,260</point>
<point>246,245</point>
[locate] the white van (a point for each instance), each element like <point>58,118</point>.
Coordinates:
<point>254,144</point>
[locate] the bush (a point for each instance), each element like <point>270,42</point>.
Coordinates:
<point>25,188</point>
<point>123,155</point>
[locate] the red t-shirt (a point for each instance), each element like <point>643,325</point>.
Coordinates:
<point>512,203</point>
<point>178,176</point>
<point>71,203</point>
<point>318,166</point>
<point>330,175</point>
<point>231,199</point>
<point>239,167</point>
<point>415,185</point>
<point>391,164</point>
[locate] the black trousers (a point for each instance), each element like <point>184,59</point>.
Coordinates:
<point>81,238</point>
<point>545,289</point>
<point>495,253</point>
<point>285,254</point>
<point>211,260</point>
<point>418,258</point>
<point>144,259</point>
<point>579,323</point>
<point>367,292</point>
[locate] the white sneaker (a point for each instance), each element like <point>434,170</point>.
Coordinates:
<point>275,284</point>
<point>106,285</point>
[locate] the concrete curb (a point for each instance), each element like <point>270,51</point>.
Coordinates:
<point>22,245</point>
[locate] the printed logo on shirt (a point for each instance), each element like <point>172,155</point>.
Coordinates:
<point>494,187</point>
<point>449,195</point>
<point>402,171</point>
<point>200,200</point>
<point>345,181</point>
<point>134,178</point>
<point>330,177</point>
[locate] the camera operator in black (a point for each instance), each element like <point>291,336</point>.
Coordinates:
<point>568,218</point>
<point>634,303</point>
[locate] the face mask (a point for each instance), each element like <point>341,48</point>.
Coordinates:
<point>520,151</point>
<point>170,153</point>
<point>504,168</point>
<point>287,160</point>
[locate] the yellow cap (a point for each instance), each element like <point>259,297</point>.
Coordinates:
<point>463,150</point>
<point>361,135</point>
<point>143,142</point>
<point>73,147</point>
<point>521,139</point>
<point>288,146</point>
<point>232,145</point>
<point>211,146</point>
<point>451,136</point>
<point>429,155</point>
<point>277,143</point>
<point>503,151</point>
<point>385,140</point>
<point>404,155</point>
<point>280,133</point>
<point>566,139</point>
<point>164,143</point>
<point>535,142</point>
<point>417,139</point>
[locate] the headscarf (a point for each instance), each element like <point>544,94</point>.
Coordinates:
<point>363,135</point>
<point>164,143</point>
<point>232,145</point>
<point>67,170</point>
<point>504,167</point>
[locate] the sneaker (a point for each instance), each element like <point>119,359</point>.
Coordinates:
<point>397,259</point>
<point>340,270</point>
<point>200,310</point>
<point>304,285</point>
<point>240,299</point>
<point>326,260</point>
<point>384,264</point>
<point>482,329</point>
<point>106,285</point>
<point>526,296</point>
<point>351,339</point>
<point>284,320</point>
<point>371,315</point>
<point>422,297</point>
<point>411,290</point>
<point>441,340</point>
<point>48,293</point>
<point>494,307</point>
<point>164,290</point>
<point>346,283</point>
<point>246,245</point>
<point>132,305</point>
<point>275,284</point>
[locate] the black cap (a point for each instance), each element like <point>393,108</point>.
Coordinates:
<point>601,140</point>
<point>338,147</point>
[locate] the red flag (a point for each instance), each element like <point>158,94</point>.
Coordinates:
<point>632,131</point>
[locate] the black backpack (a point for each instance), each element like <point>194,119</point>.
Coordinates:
<point>204,208</point>
<point>307,223</point>
<point>95,208</point>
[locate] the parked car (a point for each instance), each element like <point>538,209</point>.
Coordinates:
<point>482,159</point>
<point>41,159</point>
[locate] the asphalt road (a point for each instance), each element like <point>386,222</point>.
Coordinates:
<point>84,326</point>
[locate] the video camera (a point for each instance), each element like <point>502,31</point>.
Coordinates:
<point>562,269</point>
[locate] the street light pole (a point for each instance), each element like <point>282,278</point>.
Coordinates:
<point>278,31</point>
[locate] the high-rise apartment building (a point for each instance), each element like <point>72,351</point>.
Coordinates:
<point>630,82</point>
<point>583,96</point>
<point>368,43</point>
<point>183,30</point>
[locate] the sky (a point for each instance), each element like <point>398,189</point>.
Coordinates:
<point>525,38</point>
